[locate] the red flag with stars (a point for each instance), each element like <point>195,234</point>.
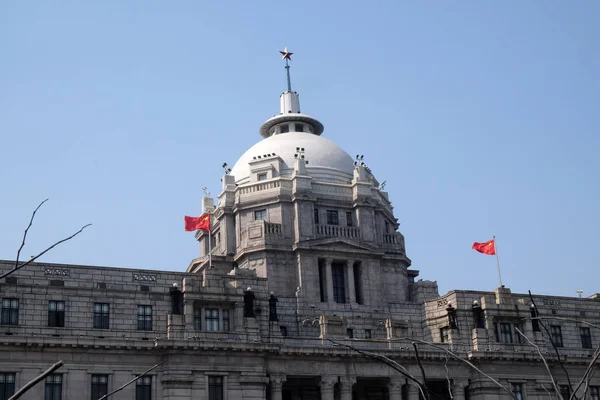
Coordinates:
<point>488,247</point>
<point>194,223</point>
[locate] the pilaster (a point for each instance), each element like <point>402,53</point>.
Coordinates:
<point>350,279</point>
<point>329,278</point>
<point>395,389</point>
<point>276,382</point>
<point>346,384</point>
<point>327,384</point>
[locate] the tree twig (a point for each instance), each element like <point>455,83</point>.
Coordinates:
<point>563,319</point>
<point>130,382</point>
<point>420,365</point>
<point>43,252</point>
<point>562,365</point>
<point>587,371</point>
<point>448,378</point>
<point>543,360</point>
<point>26,231</point>
<point>35,380</point>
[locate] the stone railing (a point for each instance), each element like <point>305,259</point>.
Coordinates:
<point>390,238</point>
<point>273,229</point>
<point>332,189</point>
<point>263,185</point>
<point>337,231</point>
<point>394,241</point>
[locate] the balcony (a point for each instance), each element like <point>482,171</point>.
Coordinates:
<point>337,231</point>
<point>393,242</point>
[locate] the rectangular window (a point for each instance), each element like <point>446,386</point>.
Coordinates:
<point>56,313</point>
<point>101,315</point>
<point>143,388</point>
<point>339,289</point>
<point>517,389</point>
<point>586,337</point>
<point>260,215</point>
<point>387,227</point>
<point>322,282</point>
<point>444,334</point>
<point>53,389</point>
<point>211,319</point>
<point>565,392</point>
<point>215,387</point>
<point>517,336</point>
<point>283,330</point>
<point>10,312</point>
<point>144,318</point>
<point>316,216</point>
<point>350,333</point>
<point>226,325</point>
<point>261,177</point>
<point>349,221</point>
<point>299,127</point>
<point>594,392</point>
<point>332,217</point>
<point>284,128</point>
<point>198,319</point>
<point>99,386</point>
<point>506,332</point>
<point>368,334</point>
<point>358,283</point>
<point>556,335</point>
<point>7,385</point>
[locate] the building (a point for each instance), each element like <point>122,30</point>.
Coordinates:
<point>305,258</point>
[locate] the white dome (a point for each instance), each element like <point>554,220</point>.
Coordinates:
<point>326,161</point>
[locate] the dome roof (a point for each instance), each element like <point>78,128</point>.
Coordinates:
<point>326,160</point>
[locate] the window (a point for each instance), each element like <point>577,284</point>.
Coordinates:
<point>358,283</point>
<point>387,227</point>
<point>215,387</point>
<point>53,390</point>
<point>262,177</point>
<point>260,215</point>
<point>99,386</point>
<point>197,319</point>
<point>444,334</point>
<point>332,217</point>
<point>339,290</point>
<point>517,389</point>
<point>505,334</point>
<point>299,127</point>
<point>284,128</point>
<point>350,333</point>
<point>211,317</point>
<point>586,337</point>
<point>594,392</point>
<point>517,336</point>
<point>283,330</point>
<point>535,323</point>
<point>225,315</point>
<point>316,216</point>
<point>565,391</point>
<point>368,334</point>
<point>322,281</point>
<point>144,318</point>
<point>7,385</point>
<point>556,335</point>
<point>349,221</point>
<point>56,313</point>
<point>10,312</point>
<point>101,315</point>
<point>143,388</point>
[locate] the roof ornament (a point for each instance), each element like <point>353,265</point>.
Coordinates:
<point>286,55</point>
<point>226,169</point>
<point>206,192</point>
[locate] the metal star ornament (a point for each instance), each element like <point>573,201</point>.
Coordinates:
<point>286,55</point>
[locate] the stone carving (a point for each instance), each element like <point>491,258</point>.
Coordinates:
<point>56,271</point>
<point>144,277</point>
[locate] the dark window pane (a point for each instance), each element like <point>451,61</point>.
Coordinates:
<point>211,319</point>
<point>586,337</point>
<point>10,312</point>
<point>144,318</point>
<point>7,385</point>
<point>143,388</point>
<point>53,387</point>
<point>56,313</point>
<point>284,128</point>
<point>349,221</point>
<point>197,319</point>
<point>556,333</point>
<point>215,388</point>
<point>332,217</point>
<point>339,289</point>
<point>316,216</point>
<point>99,386</point>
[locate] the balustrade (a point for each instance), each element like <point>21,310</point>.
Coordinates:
<point>337,231</point>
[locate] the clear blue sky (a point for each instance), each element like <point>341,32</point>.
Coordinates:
<point>481,116</point>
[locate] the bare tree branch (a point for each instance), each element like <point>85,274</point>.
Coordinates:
<point>26,231</point>
<point>38,378</point>
<point>564,319</point>
<point>130,382</point>
<point>18,267</point>
<point>547,391</point>
<point>543,360</point>
<point>587,371</point>
<point>448,378</point>
<point>420,365</point>
<point>562,365</point>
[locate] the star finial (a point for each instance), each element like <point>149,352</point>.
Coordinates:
<point>286,55</point>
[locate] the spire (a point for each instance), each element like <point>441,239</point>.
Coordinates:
<point>286,55</point>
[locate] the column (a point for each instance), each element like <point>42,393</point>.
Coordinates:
<point>327,384</point>
<point>412,392</point>
<point>395,389</point>
<point>350,278</point>
<point>329,278</point>
<point>458,389</point>
<point>346,384</point>
<point>276,386</point>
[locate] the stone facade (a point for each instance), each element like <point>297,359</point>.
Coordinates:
<point>305,258</point>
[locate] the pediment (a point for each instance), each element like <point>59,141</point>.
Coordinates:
<point>338,244</point>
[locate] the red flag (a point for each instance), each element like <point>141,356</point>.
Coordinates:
<point>488,247</point>
<point>194,223</point>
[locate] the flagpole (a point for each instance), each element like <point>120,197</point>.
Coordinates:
<point>209,243</point>
<point>497,261</point>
